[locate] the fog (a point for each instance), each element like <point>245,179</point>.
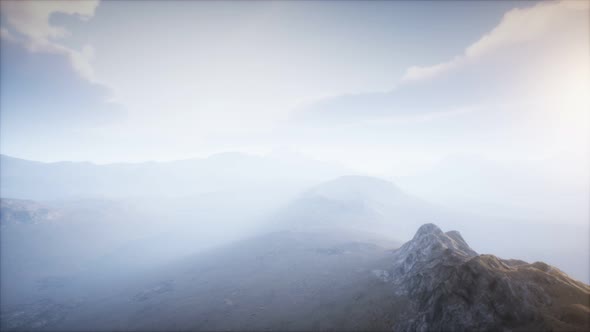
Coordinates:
<point>264,165</point>
<point>74,232</point>
<point>142,215</point>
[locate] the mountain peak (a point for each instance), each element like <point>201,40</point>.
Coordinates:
<point>431,245</point>
<point>427,229</point>
<point>443,278</point>
<point>431,236</point>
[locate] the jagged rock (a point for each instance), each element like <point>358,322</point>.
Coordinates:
<point>451,287</point>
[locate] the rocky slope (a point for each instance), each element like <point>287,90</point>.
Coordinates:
<point>16,211</point>
<point>297,281</point>
<point>313,281</point>
<point>450,287</point>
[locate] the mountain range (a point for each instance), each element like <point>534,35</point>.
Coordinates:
<point>224,172</point>
<point>236,242</point>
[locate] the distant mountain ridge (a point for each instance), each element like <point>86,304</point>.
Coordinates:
<point>359,202</point>
<point>224,172</point>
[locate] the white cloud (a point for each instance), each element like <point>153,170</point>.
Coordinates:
<point>30,21</point>
<point>418,73</point>
<point>6,35</point>
<point>517,26</point>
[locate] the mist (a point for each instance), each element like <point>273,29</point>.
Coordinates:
<point>294,166</point>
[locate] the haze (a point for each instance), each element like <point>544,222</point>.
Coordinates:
<point>135,134</point>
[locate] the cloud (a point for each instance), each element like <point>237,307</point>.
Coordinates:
<point>418,73</point>
<point>423,100</point>
<point>518,26</point>
<point>533,56</point>
<point>61,98</point>
<point>47,107</point>
<point>6,35</point>
<point>31,26</point>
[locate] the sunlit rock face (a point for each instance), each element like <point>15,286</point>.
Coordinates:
<point>451,287</point>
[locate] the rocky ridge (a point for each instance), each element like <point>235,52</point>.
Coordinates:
<point>450,287</point>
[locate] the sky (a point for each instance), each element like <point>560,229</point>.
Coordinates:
<point>386,87</point>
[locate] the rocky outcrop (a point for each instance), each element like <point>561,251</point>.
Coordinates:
<point>450,287</point>
<point>17,212</point>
